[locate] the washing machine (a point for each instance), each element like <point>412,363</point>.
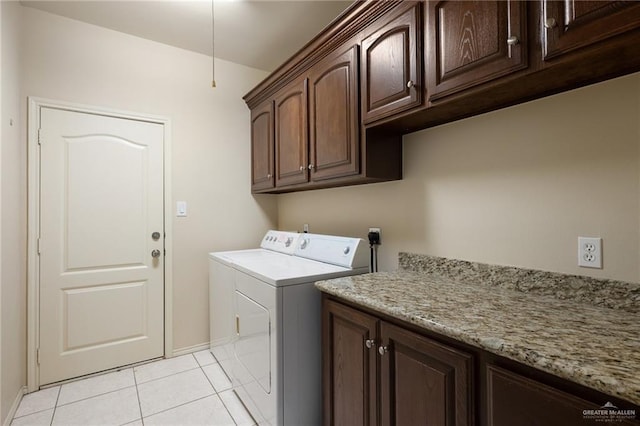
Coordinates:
<point>266,320</point>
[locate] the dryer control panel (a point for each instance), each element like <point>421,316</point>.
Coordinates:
<point>280,241</point>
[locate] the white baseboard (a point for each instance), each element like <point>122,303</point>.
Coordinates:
<point>14,407</point>
<point>191,349</point>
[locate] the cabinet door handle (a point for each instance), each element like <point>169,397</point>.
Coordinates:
<point>410,84</point>
<point>513,40</point>
<point>550,23</point>
<point>370,343</point>
<point>302,168</point>
<point>311,166</point>
<point>268,175</point>
<point>383,350</point>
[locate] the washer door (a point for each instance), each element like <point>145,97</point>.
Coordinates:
<point>253,347</point>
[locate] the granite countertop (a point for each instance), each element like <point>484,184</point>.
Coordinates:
<point>564,332</point>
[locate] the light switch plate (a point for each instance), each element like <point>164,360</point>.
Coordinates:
<point>181,209</point>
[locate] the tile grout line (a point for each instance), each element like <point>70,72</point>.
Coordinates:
<point>214,388</point>
<point>138,395</point>
<point>55,406</point>
<point>188,402</point>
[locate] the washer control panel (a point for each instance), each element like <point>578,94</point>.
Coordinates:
<point>341,251</point>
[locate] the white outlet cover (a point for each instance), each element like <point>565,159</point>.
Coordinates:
<point>590,252</point>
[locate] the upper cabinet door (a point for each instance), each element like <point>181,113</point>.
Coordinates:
<point>392,64</point>
<point>571,24</point>
<point>262,147</point>
<point>333,117</point>
<point>472,42</point>
<point>291,140</point>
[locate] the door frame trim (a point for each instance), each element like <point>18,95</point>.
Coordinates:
<point>33,223</point>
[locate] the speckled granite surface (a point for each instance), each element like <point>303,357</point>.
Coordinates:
<point>592,345</point>
<point>607,293</point>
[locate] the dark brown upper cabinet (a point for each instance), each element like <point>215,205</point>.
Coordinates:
<point>291,141</point>
<point>262,176</point>
<point>472,42</point>
<point>334,142</point>
<point>569,25</point>
<point>392,63</point>
<point>340,106</point>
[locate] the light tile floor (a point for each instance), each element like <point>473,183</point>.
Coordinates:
<point>186,390</point>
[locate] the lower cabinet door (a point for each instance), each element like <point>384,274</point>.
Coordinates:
<point>423,382</point>
<point>349,366</point>
<point>513,399</point>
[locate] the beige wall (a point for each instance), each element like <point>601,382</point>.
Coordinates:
<point>13,224</point>
<point>76,62</point>
<point>13,178</point>
<point>512,187</point>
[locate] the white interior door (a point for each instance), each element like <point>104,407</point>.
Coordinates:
<point>101,199</point>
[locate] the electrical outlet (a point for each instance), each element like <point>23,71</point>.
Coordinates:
<point>379,234</point>
<point>590,252</point>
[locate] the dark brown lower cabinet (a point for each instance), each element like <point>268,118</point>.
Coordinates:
<point>513,399</point>
<point>377,373</point>
<point>349,366</point>
<point>423,382</point>
<point>380,371</point>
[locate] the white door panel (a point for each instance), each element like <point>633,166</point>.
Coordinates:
<point>101,291</point>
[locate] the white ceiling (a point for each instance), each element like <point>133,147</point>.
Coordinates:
<point>257,33</point>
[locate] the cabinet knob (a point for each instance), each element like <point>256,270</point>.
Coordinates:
<point>268,175</point>
<point>410,84</point>
<point>370,343</point>
<point>311,166</point>
<point>302,168</point>
<point>383,350</point>
<point>513,40</point>
<point>550,23</point>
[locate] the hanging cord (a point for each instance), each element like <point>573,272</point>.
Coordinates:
<point>374,242</point>
<point>213,45</point>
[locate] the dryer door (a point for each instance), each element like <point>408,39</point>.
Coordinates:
<point>253,347</point>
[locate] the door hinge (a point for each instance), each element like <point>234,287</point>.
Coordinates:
<point>38,356</point>
<point>38,246</point>
<point>39,136</point>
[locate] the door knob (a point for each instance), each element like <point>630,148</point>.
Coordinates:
<point>155,253</point>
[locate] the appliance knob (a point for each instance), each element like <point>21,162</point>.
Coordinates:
<point>288,241</point>
<point>346,250</point>
<point>304,243</point>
